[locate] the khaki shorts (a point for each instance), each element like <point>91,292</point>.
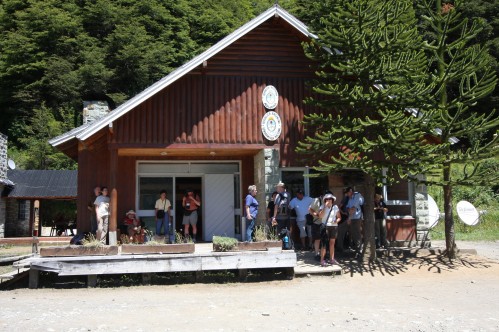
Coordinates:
<point>191,219</point>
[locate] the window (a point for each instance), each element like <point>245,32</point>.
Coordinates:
<point>149,188</point>
<point>21,210</point>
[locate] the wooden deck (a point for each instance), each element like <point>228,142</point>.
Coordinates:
<point>203,259</point>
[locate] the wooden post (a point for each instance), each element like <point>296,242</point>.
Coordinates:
<point>92,280</point>
<point>113,223</point>
<point>146,279</point>
<point>33,278</point>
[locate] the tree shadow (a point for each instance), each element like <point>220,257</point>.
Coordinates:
<point>401,261</point>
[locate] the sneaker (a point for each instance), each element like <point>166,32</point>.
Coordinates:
<point>323,264</point>
<point>333,262</point>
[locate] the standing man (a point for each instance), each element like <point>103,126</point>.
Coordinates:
<point>354,207</point>
<point>314,210</point>
<point>300,204</point>
<point>163,215</point>
<point>91,207</point>
<point>380,211</point>
<point>102,212</point>
<point>190,203</point>
<point>343,226</point>
<point>281,216</point>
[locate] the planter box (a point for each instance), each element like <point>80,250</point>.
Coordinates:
<point>263,245</point>
<point>176,248</point>
<point>78,251</point>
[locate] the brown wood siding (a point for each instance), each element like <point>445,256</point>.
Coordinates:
<point>221,105</point>
<point>93,170</point>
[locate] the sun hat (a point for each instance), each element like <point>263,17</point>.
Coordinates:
<point>130,212</point>
<point>329,196</point>
<point>280,184</point>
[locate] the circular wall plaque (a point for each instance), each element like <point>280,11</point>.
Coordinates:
<point>270,97</point>
<point>271,126</point>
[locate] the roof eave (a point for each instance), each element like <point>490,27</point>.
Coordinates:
<point>186,68</point>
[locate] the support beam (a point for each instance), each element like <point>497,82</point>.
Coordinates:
<point>34,275</point>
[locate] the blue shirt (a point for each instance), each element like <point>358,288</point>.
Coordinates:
<point>300,206</point>
<point>253,205</point>
<point>356,201</point>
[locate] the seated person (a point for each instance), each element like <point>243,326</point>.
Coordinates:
<point>134,229</point>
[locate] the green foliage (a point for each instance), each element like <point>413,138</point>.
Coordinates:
<point>462,75</point>
<point>371,70</point>
<point>54,54</point>
<point>224,243</point>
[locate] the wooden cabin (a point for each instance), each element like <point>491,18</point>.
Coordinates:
<point>227,119</point>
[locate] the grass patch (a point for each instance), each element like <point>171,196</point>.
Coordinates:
<point>486,230</point>
<point>224,243</point>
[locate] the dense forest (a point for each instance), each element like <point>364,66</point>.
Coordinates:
<point>55,54</point>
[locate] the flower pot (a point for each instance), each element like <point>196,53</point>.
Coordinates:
<point>78,251</point>
<point>179,248</point>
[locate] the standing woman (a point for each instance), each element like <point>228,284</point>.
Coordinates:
<point>251,208</point>
<point>102,213</point>
<point>330,215</point>
<point>163,213</point>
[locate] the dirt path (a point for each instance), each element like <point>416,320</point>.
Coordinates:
<point>417,294</point>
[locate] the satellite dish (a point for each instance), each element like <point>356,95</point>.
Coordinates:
<point>468,213</point>
<point>11,164</point>
<point>433,212</point>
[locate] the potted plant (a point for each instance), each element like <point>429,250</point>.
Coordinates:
<point>90,247</point>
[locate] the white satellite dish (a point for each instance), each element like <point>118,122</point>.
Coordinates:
<point>433,212</point>
<point>468,213</point>
<point>11,164</point>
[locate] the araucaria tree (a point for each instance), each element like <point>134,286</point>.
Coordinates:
<point>370,80</point>
<point>462,73</point>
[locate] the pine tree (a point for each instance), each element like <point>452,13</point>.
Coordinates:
<point>371,77</point>
<point>462,74</point>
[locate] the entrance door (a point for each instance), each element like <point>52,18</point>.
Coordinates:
<point>219,205</point>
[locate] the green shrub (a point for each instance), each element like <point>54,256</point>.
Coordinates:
<point>224,243</point>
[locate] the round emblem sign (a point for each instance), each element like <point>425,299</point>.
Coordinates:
<point>270,97</point>
<point>271,126</point>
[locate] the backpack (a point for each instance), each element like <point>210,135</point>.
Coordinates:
<point>286,245</point>
<point>78,239</point>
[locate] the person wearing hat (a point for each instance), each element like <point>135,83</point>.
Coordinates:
<point>281,216</point>
<point>330,216</point>
<point>300,204</point>
<point>134,230</point>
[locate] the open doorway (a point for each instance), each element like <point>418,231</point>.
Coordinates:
<point>182,184</point>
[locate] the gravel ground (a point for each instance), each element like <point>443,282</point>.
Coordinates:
<point>424,293</point>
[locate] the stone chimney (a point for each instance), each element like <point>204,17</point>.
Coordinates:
<point>3,157</point>
<point>93,110</point>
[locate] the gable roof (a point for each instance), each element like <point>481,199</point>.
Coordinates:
<point>84,132</point>
<point>47,184</point>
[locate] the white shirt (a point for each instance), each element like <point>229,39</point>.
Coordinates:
<point>330,218</point>
<point>102,203</point>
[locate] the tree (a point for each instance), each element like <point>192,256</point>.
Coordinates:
<point>371,73</point>
<point>462,74</point>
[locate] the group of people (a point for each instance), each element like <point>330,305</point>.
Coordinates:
<point>100,204</point>
<point>325,223</point>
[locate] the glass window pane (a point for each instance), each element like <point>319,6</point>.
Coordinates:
<point>149,189</point>
<point>293,180</point>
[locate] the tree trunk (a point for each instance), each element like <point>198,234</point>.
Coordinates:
<point>369,247</point>
<point>450,244</point>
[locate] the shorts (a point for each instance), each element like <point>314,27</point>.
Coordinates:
<point>301,227</point>
<point>316,231</point>
<point>328,233</point>
<point>191,219</point>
